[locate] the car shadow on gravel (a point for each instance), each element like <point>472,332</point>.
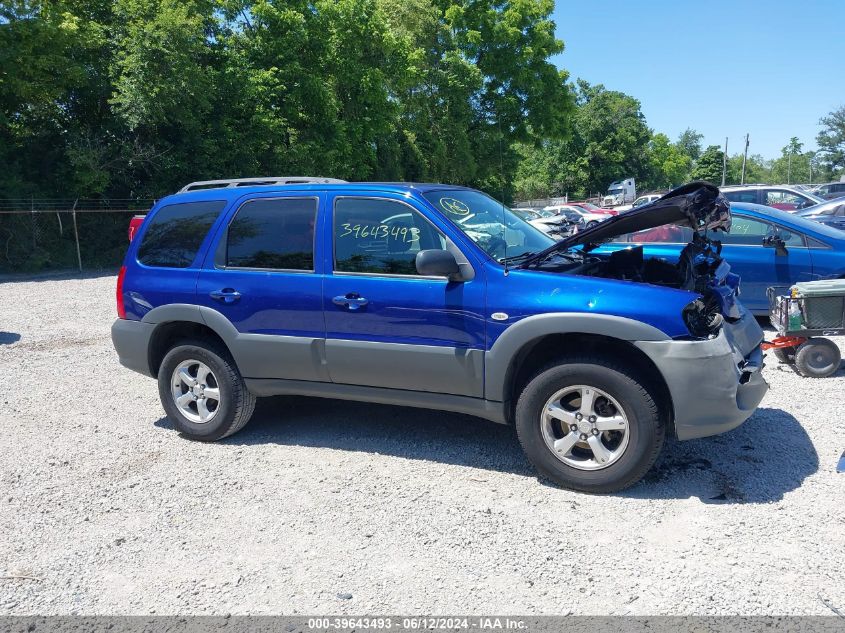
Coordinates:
<point>411,433</point>
<point>759,462</point>
<point>7,338</point>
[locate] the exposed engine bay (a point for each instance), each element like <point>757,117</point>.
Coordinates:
<point>700,268</point>
<point>697,266</point>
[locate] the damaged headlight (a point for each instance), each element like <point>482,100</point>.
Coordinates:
<point>703,318</point>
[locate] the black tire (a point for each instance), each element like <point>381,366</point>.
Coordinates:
<point>817,358</point>
<point>646,428</point>
<point>236,403</point>
<point>785,354</point>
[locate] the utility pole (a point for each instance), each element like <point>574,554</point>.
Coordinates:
<point>789,166</point>
<point>725,161</point>
<point>744,159</point>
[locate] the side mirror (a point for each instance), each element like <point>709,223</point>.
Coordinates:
<point>776,242</point>
<point>438,263</point>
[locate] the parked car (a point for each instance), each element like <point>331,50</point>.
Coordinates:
<point>781,197</point>
<point>831,213</point>
<point>765,247</point>
<point>830,190</point>
<point>642,200</point>
<point>134,224</point>
<point>551,223</point>
<point>384,293</point>
<point>592,208</point>
<point>574,212</point>
<point>558,225</point>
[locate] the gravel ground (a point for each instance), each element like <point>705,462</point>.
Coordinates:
<point>323,506</point>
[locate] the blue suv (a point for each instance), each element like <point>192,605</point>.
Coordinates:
<point>438,296</point>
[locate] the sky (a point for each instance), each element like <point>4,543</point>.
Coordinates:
<point>769,68</point>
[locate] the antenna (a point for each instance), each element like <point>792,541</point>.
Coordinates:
<point>502,198</point>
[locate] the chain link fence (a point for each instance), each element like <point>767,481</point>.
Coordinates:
<point>45,235</point>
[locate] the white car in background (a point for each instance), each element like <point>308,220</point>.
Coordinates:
<point>575,213</point>
<point>640,202</point>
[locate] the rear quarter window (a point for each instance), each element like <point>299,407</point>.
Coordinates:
<point>176,232</point>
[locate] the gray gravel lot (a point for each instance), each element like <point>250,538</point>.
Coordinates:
<point>323,506</point>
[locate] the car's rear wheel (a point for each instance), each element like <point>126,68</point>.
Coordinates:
<point>589,425</point>
<point>202,391</point>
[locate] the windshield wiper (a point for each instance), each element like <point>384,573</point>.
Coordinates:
<point>516,258</point>
<point>544,256</point>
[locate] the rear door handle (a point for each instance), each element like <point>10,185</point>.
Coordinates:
<point>227,295</point>
<point>350,301</point>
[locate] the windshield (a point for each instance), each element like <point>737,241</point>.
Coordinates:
<point>496,229</point>
<point>614,190</point>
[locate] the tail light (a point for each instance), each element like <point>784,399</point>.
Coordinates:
<point>121,308</point>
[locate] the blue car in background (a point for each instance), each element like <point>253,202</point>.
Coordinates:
<point>831,213</point>
<point>765,247</point>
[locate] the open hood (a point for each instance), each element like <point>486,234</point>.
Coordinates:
<point>698,205</point>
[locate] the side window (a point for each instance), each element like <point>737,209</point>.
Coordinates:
<point>741,196</point>
<point>748,232</point>
<point>380,236</point>
<point>273,233</point>
<point>176,232</point>
<point>785,200</point>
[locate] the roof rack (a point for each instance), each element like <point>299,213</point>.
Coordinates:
<point>251,182</point>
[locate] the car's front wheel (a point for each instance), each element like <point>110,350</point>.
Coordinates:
<point>203,392</point>
<point>589,425</point>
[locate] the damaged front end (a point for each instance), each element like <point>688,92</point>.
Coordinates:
<point>700,268</point>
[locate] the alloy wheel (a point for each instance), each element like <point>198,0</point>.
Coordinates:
<point>195,391</point>
<point>585,427</point>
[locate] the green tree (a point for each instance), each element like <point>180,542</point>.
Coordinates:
<point>709,165</point>
<point>134,97</point>
<point>757,169</point>
<point>610,141</point>
<point>434,88</point>
<point>690,143</point>
<point>534,177</point>
<point>831,139</point>
<point>669,164</point>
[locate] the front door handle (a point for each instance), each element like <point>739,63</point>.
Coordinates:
<point>350,301</point>
<point>227,295</point>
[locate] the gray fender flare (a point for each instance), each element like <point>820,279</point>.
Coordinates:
<point>516,336</point>
<point>193,314</point>
<point>187,313</point>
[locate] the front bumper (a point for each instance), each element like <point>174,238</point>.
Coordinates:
<point>131,340</point>
<point>715,384</point>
